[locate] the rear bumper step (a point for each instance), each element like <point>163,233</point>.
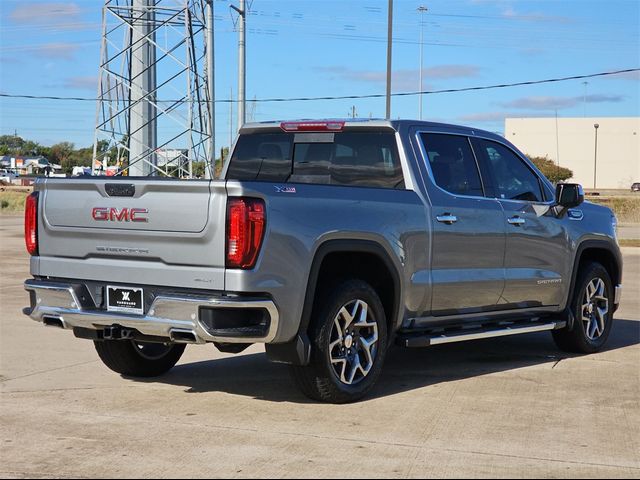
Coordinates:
<point>422,339</point>
<point>172,317</point>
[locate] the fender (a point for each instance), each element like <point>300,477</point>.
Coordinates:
<point>589,244</point>
<point>298,351</point>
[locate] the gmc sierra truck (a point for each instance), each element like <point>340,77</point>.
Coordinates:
<point>327,241</point>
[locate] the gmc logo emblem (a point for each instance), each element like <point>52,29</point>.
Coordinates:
<point>124,215</point>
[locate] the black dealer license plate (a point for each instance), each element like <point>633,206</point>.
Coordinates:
<point>125,300</point>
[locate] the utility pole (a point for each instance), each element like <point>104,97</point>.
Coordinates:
<point>422,10</point>
<point>595,158</point>
<point>230,120</point>
<point>143,125</point>
<point>211,86</point>
<point>389,56</point>
<point>557,144</point>
<point>242,62</point>
<point>353,112</point>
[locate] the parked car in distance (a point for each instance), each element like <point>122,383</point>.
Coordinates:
<point>7,176</point>
<point>635,187</point>
<point>326,241</point>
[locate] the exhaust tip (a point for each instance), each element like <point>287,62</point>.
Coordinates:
<point>183,336</point>
<point>56,322</point>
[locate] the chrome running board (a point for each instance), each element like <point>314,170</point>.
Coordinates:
<point>408,339</point>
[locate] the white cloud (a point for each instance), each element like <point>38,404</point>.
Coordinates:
<point>633,76</point>
<point>493,117</point>
<point>557,103</point>
<point>49,15</point>
<point>404,80</point>
<point>82,83</point>
<point>64,51</point>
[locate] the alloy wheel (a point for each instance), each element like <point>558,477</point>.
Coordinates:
<point>595,308</point>
<point>353,343</point>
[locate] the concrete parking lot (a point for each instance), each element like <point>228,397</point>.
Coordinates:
<point>511,407</point>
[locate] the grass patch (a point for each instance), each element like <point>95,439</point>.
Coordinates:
<point>627,209</point>
<point>12,202</point>
<point>627,242</point>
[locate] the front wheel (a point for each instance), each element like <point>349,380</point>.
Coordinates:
<point>349,343</point>
<point>592,307</point>
<point>139,359</point>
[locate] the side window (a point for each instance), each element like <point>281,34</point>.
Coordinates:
<point>509,177</point>
<point>356,159</point>
<point>453,164</point>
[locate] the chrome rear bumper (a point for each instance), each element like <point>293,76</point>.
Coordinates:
<point>169,316</point>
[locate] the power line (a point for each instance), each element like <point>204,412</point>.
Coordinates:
<point>356,97</point>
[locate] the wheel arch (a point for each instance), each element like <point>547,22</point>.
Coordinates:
<point>600,251</point>
<point>332,249</point>
<point>327,255</point>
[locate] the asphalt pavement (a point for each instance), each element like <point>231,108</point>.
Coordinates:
<point>509,407</point>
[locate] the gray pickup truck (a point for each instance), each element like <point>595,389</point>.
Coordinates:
<point>327,241</point>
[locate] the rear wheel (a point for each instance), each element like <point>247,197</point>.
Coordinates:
<point>349,340</point>
<point>592,307</point>
<point>139,359</point>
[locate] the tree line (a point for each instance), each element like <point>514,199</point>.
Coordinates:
<point>68,156</point>
<point>64,154</point>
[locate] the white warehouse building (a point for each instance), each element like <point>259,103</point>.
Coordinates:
<point>572,141</point>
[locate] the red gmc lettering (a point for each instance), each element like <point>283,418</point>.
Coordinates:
<point>119,216</point>
<point>100,214</point>
<point>136,215</point>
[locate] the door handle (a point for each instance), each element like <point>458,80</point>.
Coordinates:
<point>517,221</point>
<point>447,218</point>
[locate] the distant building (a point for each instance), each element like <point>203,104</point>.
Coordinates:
<point>172,158</point>
<point>571,142</point>
<point>25,165</point>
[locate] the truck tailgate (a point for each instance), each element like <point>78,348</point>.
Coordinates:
<point>139,231</point>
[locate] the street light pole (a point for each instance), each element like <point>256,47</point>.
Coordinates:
<point>595,158</point>
<point>242,62</point>
<point>422,9</point>
<point>389,56</point>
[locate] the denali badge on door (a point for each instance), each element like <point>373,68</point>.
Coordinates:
<point>125,300</point>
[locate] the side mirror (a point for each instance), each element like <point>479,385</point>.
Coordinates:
<point>569,195</point>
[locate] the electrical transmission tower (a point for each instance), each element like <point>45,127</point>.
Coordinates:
<point>155,111</point>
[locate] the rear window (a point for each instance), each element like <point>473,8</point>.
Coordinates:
<point>365,159</point>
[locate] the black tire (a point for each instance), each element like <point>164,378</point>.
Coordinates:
<point>320,380</point>
<point>137,359</point>
<point>577,339</point>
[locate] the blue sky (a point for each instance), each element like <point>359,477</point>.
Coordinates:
<point>338,47</point>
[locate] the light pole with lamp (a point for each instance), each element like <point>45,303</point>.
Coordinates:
<point>595,157</point>
<point>422,10</point>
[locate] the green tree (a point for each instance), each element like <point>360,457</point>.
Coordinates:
<point>61,154</point>
<point>11,143</point>
<point>549,169</point>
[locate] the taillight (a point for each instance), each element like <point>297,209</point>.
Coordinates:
<point>245,230</point>
<point>31,224</point>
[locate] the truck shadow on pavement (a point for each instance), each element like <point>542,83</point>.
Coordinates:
<point>254,376</point>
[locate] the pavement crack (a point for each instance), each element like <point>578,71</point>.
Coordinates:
<point>5,380</point>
